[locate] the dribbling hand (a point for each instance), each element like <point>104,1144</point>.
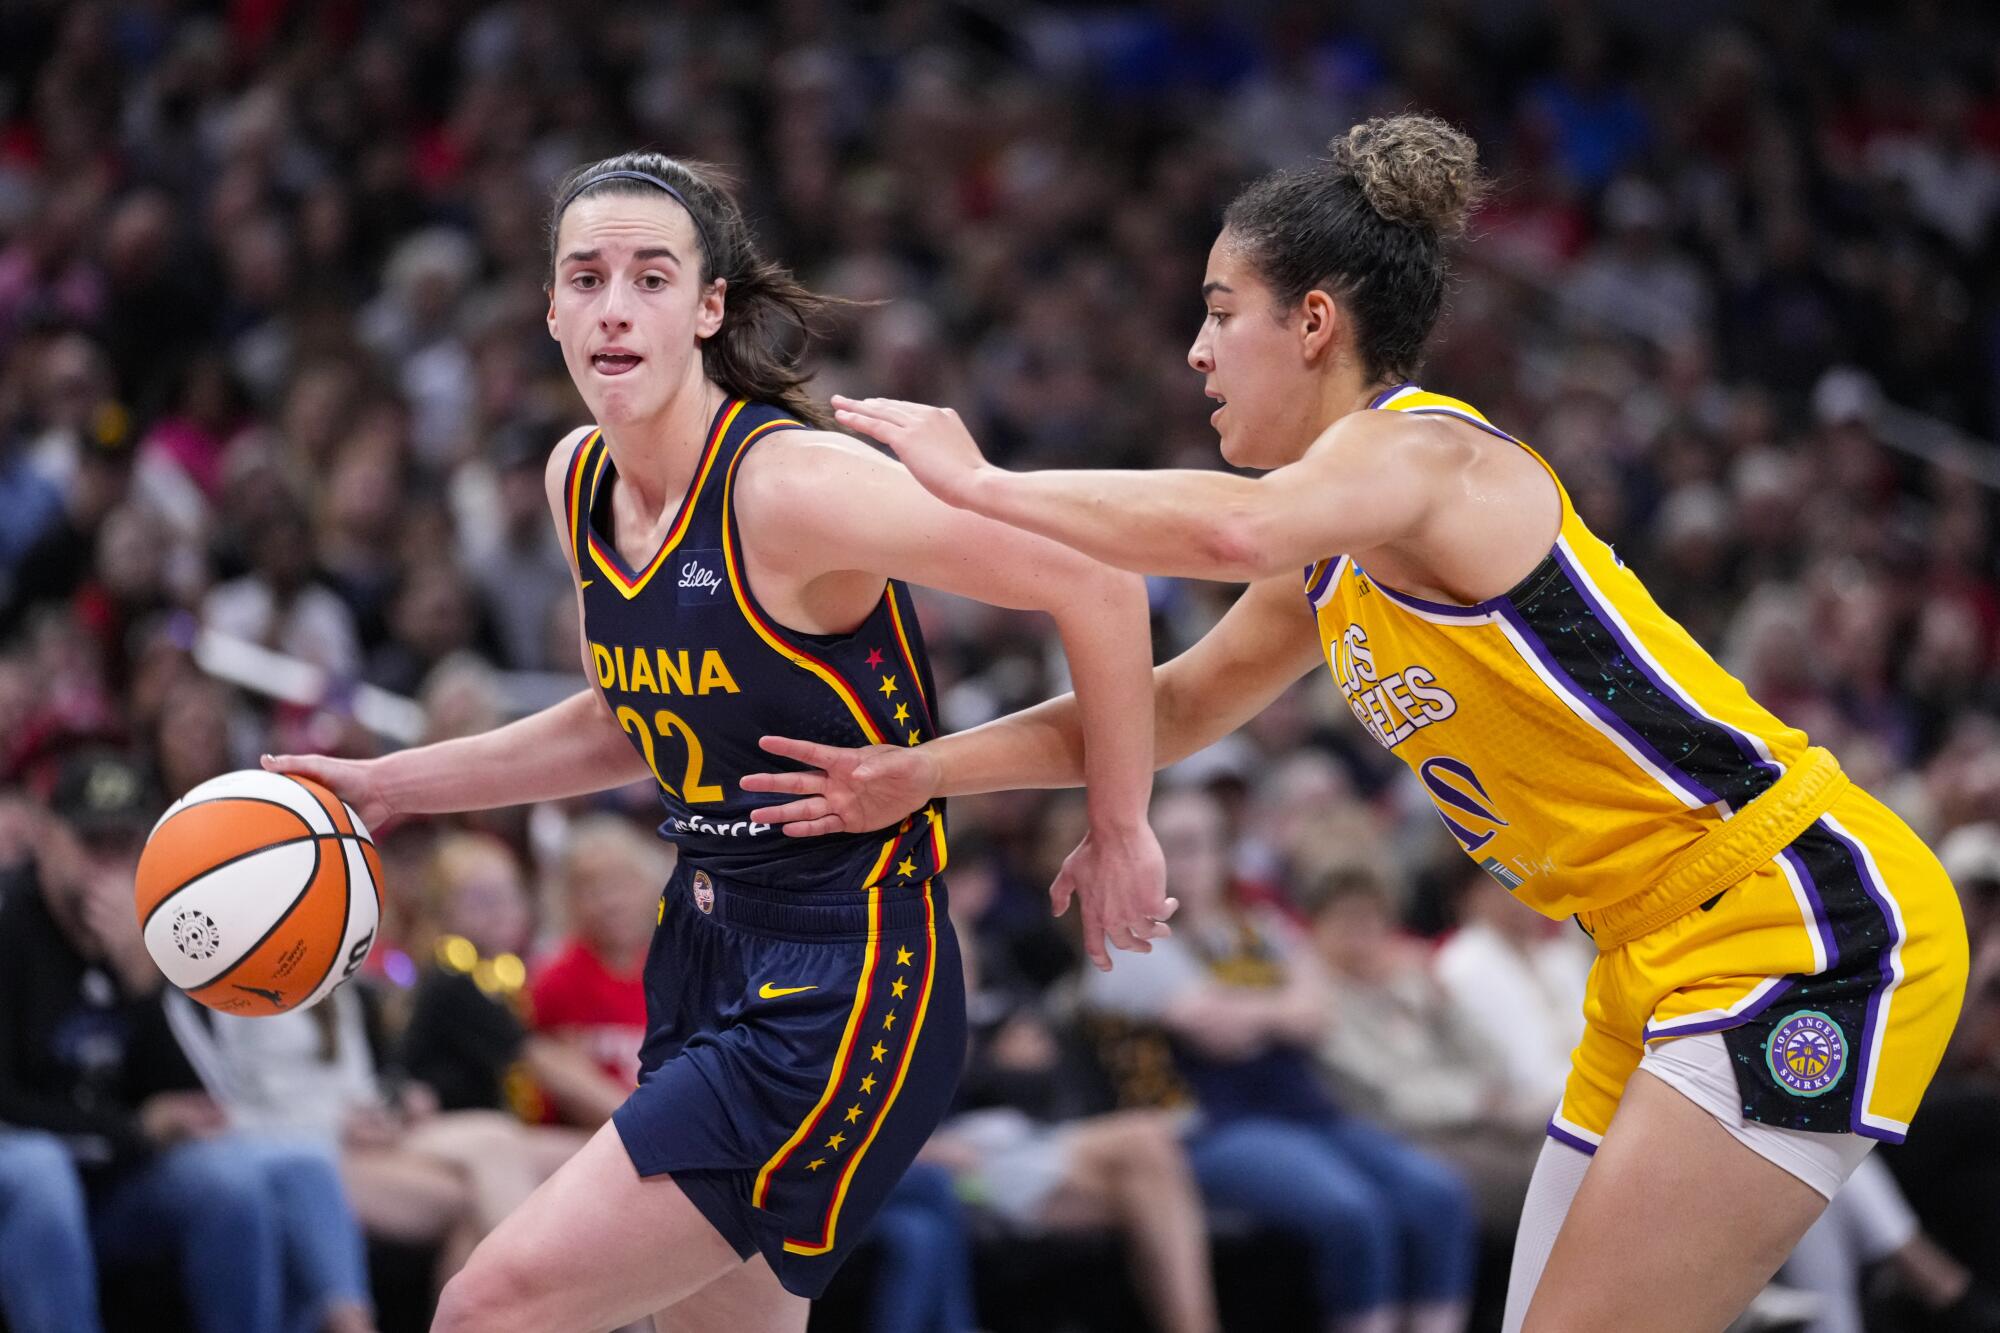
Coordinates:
<point>352,780</point>
<point>845,791</point>
<point>932,442</point>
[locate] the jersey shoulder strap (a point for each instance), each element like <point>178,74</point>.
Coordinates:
<point>579,484</point>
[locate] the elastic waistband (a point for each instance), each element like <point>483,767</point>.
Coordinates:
<point>1726,853</point>
<point>845,914</point>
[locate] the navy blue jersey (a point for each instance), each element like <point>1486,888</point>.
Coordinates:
<point>696,671</point>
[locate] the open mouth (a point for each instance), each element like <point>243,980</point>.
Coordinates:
<point>613,363</point>
<point>1214,418</point>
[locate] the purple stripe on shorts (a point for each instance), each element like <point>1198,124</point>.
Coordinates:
<point>1820,921</point>
<point>1727,1021</point>
<point>1875,995</point>
<point>1604,711</point>
<point>1569,1140</point>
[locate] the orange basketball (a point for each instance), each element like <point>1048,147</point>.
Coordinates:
<point>258,893</point>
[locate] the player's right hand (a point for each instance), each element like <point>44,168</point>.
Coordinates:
<point>846,790</point>
<point>354,781</point>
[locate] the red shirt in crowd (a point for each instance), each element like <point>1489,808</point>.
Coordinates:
<point>577,995</point>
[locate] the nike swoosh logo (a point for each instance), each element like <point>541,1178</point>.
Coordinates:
<point>769,992</point>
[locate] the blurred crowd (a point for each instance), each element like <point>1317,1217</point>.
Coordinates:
<point>273,371</point>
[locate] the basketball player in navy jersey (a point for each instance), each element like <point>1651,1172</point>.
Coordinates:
<point>737,570</point>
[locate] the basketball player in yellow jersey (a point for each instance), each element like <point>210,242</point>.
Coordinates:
<point>1780,960</point>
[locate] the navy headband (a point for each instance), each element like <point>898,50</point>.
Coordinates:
<point>649,178</point>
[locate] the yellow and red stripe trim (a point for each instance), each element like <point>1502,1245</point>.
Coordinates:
<point>844,1053</point>
<point>909,658</point>
<point>574,491</point>
<point>608,562</point>
<point>739,588</point>
<point>826,1242</point>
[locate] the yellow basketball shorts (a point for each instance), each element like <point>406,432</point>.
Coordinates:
<point>1834,971</point>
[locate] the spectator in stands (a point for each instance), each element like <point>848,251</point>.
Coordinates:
<point>1244,1005</point>
<point>591,993</point>
<point>48,1274</point>
<point>1024,1149</point>
<point>259,1231</point>
<point>1400,1053</point>
<point>414,1174</point>
<point>1515,979</point>
<point>1948,1167</point>
<point>466,1037</point>
<point>1869,1223</point>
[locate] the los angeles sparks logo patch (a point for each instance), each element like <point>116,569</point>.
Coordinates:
<point>1807,1054</point>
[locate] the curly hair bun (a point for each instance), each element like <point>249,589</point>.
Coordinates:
<point>1413,169</point>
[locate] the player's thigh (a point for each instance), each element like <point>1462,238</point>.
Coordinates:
<point>747,1299</point>
<point>1676,1226</point>
<point>595,1246</point>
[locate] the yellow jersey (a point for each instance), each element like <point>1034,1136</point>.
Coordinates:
<point>1574,738</point>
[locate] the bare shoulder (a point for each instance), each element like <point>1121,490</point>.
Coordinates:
<point>1407,440</point>
<point>792,474</point>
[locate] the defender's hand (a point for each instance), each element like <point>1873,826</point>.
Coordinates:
<point>846,791</point>
<point>1119,881</point>
<point>354,781</point>
<point>932,442</point>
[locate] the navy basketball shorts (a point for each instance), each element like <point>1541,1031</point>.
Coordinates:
<point>800,1047</point>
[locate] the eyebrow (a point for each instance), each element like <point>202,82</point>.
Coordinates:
<point>591,256</point>
<point>1209,289</point>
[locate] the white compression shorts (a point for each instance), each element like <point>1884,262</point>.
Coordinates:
<point>1698,1068</point>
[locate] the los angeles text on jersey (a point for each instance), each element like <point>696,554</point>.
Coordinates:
<point>658,671</point>
<point>1393,707</point>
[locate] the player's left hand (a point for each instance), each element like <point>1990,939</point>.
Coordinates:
<point>1118,879</point>
<point>932,442</point>
<point>846,790</point>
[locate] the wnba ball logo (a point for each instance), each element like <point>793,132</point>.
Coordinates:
<point>1807,1053</point>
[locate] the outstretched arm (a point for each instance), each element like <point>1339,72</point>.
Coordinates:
<point>803,494</point>
<point>1264,644</point>
<point>567,749</point>
<point>1351,492</point>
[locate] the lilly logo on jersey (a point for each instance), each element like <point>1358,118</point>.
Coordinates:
<point>657,671</point>
<point>1394,707</point>
<point>700,585</point>
<point>1461,801</point>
